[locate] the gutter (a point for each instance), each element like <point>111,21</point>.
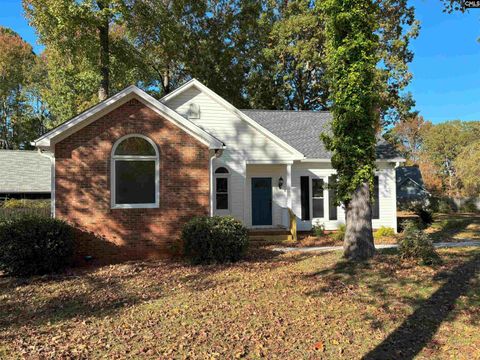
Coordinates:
<point>51,156</point>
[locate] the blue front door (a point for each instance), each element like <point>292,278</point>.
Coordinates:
<point>261,201</point>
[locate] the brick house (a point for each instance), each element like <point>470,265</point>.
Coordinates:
<point>129,172</point>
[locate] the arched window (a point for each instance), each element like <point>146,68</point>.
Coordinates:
<point>135,173</point>
<point>222,186</point>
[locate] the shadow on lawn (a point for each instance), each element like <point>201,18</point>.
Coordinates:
<point>419,328</point>
<point>93,297</point>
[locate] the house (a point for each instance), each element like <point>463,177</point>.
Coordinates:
<point>410,186</point>
<point>24,175</point>
<point>132,170</point>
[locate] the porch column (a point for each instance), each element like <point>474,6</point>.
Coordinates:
<point>289,186</point>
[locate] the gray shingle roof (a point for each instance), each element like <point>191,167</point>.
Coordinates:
<point>301,130</point>
<point>409,172</point>
<point>24,172</point>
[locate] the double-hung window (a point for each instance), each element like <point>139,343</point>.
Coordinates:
<point>318,198</point>
<point>135,173</point>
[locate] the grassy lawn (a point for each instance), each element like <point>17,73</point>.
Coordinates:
<point>271,305</point>
<point>455,227</point>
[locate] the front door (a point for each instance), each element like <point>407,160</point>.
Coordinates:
<point>261,201</point>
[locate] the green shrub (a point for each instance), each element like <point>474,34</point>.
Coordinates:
<point>416,244</point>
<point>35,245</point>
<point>318,229</point>
<point>384,231</point>
<point>339,235</point>
<point>469,206</point>
<point>443,205</point>
<point>215,239</point>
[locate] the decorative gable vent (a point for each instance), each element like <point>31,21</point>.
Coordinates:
<point>194,111</point>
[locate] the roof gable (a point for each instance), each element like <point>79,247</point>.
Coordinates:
<point>87,117</point>
<point>232,109</point>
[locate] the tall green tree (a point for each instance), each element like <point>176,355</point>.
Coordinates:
<point>292,71</point>
<point>87,52</point>
<point>352,55</point>
<point>21,113</point>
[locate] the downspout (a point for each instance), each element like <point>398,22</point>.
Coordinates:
<point>51,156</point>
<point>217,153</point>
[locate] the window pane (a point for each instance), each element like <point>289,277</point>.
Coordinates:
<point>318,208</point>
<point>317,187</point>
<point>222,185</point>
<point>222,201</point>
<point>135,146</point>
<point>135,182</point>
<point>221,170</point>
<point>332,208</point>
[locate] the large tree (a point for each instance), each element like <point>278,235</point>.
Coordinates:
<point>467,165</point>
<point>22,115</point>
<point>352,56</point>
<point>408,134</point>
<point>443,143</point>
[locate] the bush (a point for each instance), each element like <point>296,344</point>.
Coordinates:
<point>35,245</point>
<point>416,244</point>
<point>215,239</point>
<point>469,206</point>
<point>339,235</point>
<point>318,229</point>
<point>443,205</point>
<point>384,231</point>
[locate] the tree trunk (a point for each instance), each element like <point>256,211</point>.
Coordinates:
<point>103,91</point>
<point>166,82</point>
<point>358,243</point>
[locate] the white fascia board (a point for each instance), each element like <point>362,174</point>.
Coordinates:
<point>269,162</point>
<point>194,82</point>
<point>87,117</point>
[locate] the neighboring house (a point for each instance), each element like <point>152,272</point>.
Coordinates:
<point>410,186</point>
<point>132,170</point>
<point>24,175</point>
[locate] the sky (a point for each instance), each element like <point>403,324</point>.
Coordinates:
<point>446,67</point>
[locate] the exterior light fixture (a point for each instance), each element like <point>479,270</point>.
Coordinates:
<point>280,182</point>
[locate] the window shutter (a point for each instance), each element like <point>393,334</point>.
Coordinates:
<point>332,208</point>
<point>305,197</point>
<point>376,199</point>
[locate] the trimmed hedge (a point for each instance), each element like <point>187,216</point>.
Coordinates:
<point>217,239</point>
<point>33,245</point>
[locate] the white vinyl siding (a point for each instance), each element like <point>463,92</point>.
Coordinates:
<point>387,196</point>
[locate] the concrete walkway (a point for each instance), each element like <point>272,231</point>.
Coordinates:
<point>390,246</point>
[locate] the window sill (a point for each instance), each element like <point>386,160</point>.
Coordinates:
<point>135,206</point>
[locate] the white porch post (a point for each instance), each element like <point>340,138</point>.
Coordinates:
<point>289,186</point>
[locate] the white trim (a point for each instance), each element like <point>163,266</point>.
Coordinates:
<point>51,156</point>
<point>194,82</point>
<point>229,195</point>
<point>325,194</point>
<point>289,186</point>
<point>323,160</point>
<point>114,158</point>
<point>99,110</point>
<point>269,162</point>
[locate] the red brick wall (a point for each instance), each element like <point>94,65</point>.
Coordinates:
<point>82,184</point>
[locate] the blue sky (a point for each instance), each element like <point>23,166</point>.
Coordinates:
<point>446,68</point>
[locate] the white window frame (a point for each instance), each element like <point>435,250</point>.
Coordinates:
<point>114,158</point>
<point>325,194</point>
<point>229,198</point>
